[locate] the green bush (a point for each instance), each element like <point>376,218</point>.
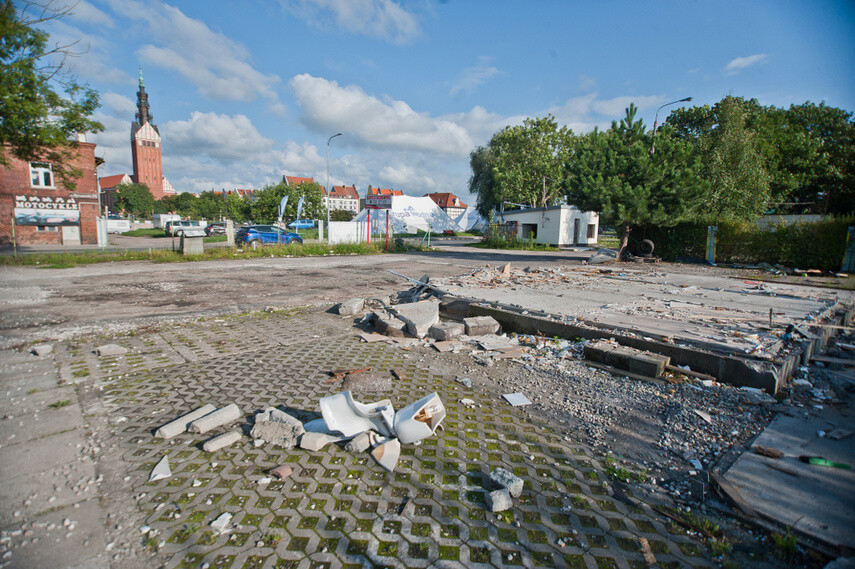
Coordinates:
<point>815,245</point>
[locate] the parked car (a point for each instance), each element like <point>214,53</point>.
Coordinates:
<point>218,228</point>
<point>302,224</point>
<point>257,235</point>
<point>176,228</point>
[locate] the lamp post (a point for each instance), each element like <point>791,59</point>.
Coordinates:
<point>656,121</point>
<point>328,181</point>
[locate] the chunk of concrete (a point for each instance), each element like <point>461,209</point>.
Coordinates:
<point>180,424</point>
<point>317,441</point>
<point>359,443</point>
<point>389,326</point>
<point>42,349</point>
<point>628,359</point>
<point>161,470</point>
<point>282,471</point>
<point>228,414</point>
<point>351,307</point>
<point>481,325</point>
<point>221,524</point>
<point>277,427</point>
<point>505,479</point>
<point>387,454</point>
<point>418,316</point>
<point>443,331</point>
<point>111,350</point>
<point>221,441</point>
<point>499,500</point>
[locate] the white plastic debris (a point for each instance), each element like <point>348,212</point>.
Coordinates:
<point>161,470</point>
<point>221,524</point>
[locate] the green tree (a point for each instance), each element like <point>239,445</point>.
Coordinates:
<point>135,199</point>
<point>734,166</point>
<point>528,161</point>
<point>341,215</point>
<point>481,183</point>
<point>266,205</point>
<point>614,173</point>
<point>37,122</point>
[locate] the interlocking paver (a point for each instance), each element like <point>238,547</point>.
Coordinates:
<point>339,509</point>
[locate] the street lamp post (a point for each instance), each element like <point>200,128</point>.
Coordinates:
<point>656,121</point>
<point>328,181</point>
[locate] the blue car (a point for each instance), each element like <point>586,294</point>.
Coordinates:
<point>302,224</point>
<point>257,235</point>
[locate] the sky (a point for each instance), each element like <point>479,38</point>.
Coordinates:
<point>246,91</point>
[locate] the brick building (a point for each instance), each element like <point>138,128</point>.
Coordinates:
<point>342,197</point>
<point>146,149</point>
<point>43,209</point>
<point>449,203</point>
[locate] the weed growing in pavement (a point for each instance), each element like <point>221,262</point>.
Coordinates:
<point>623,474</point>
<point>271,540</point>
<point>58,404</point>
<point>785,544</point>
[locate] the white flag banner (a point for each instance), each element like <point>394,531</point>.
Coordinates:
<point>282,205</point>
<point>299,207</point>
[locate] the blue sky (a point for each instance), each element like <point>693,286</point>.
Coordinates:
<point>246,91</point>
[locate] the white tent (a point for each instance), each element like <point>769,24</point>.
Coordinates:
<point>408,215</point>
<point>470,220</point>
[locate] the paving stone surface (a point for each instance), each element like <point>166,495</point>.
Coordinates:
<point>340,509</point>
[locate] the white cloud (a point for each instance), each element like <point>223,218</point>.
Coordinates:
<point>584,113</point>
<point>329,107</point>
<point>615,107</point>
<point>472,77</point>
<point>214,63</point>
<point>119,104</point>
<point>587,84</point>
<point>221,137</point>
<point>86,12</point>
<point>740,63</point>
<point>113,144</point>
<point>378,18</point>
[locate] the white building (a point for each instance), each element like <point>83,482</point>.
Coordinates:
<point>342,197</point>
<point>557,225</point>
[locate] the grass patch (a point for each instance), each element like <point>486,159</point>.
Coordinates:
<point>502,242</point>
<point>146,232</point>
<point>624,475</point>
<point>68,260</point>
<point>59,404</point>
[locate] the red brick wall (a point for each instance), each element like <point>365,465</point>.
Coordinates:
<point>15,181</point>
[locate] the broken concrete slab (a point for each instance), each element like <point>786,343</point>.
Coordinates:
<point>492,342</point>
<point>444,331</point>
<point>481,325</point>
<point>351,307</point>
<point>499,500</point>
<point>179,425</point>
<point>221,441</point>
<point>221,524</point>
<point>228,414</point>
<point>505,479</point>
<point>418,316</point>
<point>516,399</point>
<point>389,326</point>
<point>372,337</point>
<point>387,454</point>
<point>111,350</point>
<point>161,470</point>
<point>626,358</point>
<point>359,443</point>
<point>42,350</point>
<point>317,441</point>
<point>277,427</point>
<point>446,346</point>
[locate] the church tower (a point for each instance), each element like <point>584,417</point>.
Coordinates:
<point>145,148</point>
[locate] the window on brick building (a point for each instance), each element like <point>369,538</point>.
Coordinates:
<point>41,175</point>
<point>47,228</point>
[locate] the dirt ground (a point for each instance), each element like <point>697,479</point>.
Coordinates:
<point>651,425</point>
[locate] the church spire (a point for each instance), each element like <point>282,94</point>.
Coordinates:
<point>143,111</point>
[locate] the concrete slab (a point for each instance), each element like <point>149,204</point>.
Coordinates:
<point>815,500</point>
<point>419,316</point>
<point>629,359</point>
<point>68,537</point>
<point>41,455</point>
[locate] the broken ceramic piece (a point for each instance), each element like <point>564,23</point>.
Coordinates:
<point>387,454</point>
<point>161,470</point>
<point>419,420</point>
<point>344,415</point>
